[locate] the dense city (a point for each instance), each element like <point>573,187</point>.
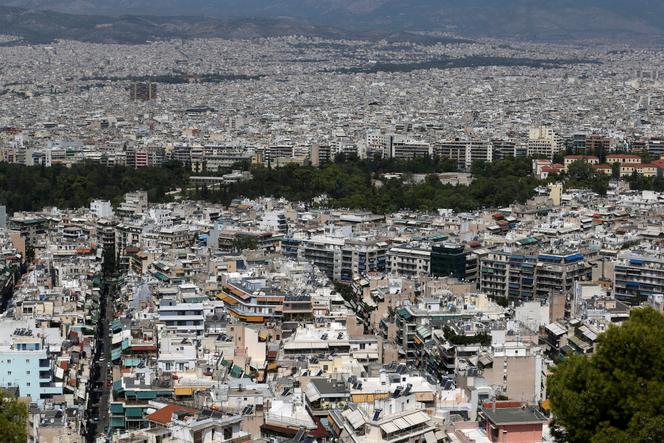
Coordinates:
<point>419,300</point>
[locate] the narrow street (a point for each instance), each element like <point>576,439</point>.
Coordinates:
<point>97,413</point>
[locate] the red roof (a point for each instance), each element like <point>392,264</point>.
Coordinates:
<point>165,414</point>
<point>623,156</point>
<point>602,166</point>
<point>145,348</point>
<point>579,157</point>
<point>320,432</point>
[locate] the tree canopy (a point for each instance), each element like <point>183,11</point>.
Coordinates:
<point>615,395</point>
<point>31,188</point>
<point>347,182</point>
<point>351,183</point>
<point>13,420</point>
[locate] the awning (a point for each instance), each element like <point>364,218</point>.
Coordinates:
<point>236,371</point>
<point>417,418</point>
<point>356,419</point>
<point>188,391</point>
<point>424,396</point>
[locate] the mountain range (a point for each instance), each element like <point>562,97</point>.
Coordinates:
<point>548,20</point>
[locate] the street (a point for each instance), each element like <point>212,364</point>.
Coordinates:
<point>99,391</point>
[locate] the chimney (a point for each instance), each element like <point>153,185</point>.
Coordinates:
<point>493,405</point>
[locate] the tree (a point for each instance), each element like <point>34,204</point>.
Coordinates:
<point>617,393</point>
<point>242,242</point>
<point>615,170</point>
<point>13,420</point>
<point>581,171</point>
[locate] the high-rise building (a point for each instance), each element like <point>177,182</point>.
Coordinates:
<point>544,142</point>
<point>503,149</point>
<point>529,276</point>
<point>406,149</point>
<point>320,154</point>
<point>465,152</point>
<point>143,91</point>
<point>453,260</point>
<point>637,276</point>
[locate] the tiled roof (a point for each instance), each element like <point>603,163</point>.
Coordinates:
<point>165,414</point>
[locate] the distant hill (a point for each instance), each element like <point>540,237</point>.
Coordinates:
<point>41,26</point>
<point>528,19</point>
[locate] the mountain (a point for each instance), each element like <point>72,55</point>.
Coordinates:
<point>43,26</point>
<point>553,20</point>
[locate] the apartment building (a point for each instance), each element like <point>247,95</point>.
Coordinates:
<point>409,261</point>
<point>638,276</point>
<point>523,276</point>
<point>465,152</point>
<point>25,363</point>
<point>544,142</point>
<point>407,149</point>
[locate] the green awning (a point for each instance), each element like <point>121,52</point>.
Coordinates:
<point>145,395</point>
<point>133,412</point>
<point>404,313</point>
<point>117,422</point>
<point>161,276</point>
<point>117,387</point>
<point>131,362</point>
<point>236,371</point>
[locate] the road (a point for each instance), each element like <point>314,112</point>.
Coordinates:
<point>99,391</point>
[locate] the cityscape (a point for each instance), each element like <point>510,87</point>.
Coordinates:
<point>287,230</point>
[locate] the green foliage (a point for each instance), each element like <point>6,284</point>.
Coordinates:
<point>581,174</point>
<point>615,170</point>
<point>464,62</point>
<point>242,242</point>
<point>482,338</point>
<point>30,188</point>
<point>616,394</point>
<point>346,291</point>
<point>13,420</point>
<point>502,301</point>
<point>348,184</point>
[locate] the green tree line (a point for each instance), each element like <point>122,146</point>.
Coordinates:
<point>347,183</point>
<point>350,183</point>
<point>31,188</point>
